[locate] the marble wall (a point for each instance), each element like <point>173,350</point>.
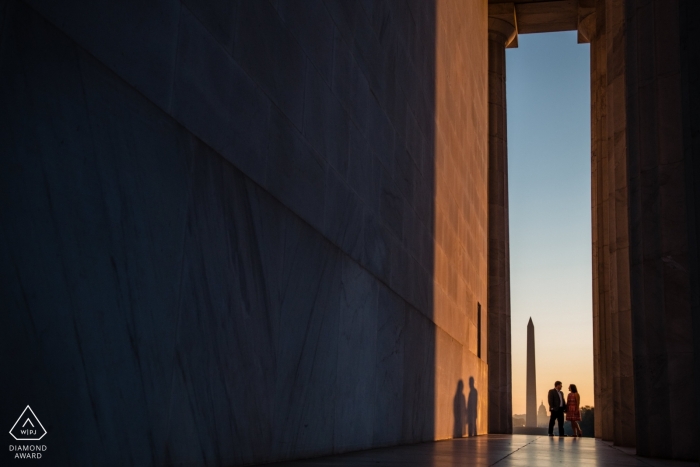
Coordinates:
<point>236,232</point>
<point>461,211</point>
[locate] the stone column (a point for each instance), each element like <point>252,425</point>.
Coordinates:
<point>623,433</point>
<point>502,31</point>
<point>603,25</point>
<point>602,334</point>
<point>662,178</point>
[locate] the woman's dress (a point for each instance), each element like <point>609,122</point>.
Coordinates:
<point>573,414</point>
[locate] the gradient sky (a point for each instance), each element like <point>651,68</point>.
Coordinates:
<point>548,92</point>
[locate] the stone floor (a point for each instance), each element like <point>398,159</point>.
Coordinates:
<point>496,450</point>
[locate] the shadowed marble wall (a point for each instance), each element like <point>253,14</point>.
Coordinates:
<point>663,205</point>
<point>235,232</point>
<point>690,85</point>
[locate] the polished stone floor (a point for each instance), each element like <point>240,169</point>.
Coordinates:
<point>496,450</point>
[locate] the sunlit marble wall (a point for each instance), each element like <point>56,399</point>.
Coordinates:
<point>461,165</point>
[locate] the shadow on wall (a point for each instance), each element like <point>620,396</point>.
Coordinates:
<point>465,410</point>
<point>460,411</point>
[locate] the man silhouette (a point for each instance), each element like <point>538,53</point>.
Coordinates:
<point>472,403</point>
<point>557,406</point>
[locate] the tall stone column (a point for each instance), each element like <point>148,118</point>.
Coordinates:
<point>663,178</point>
<point>602,23</point>
<point>623,432</point>
<point>600,205</point>
<point>502,31</point>
<point>644,94</point>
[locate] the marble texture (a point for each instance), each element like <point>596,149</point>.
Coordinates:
<point>219,226</point>
<point>239,232</point>
<point>460,248</point>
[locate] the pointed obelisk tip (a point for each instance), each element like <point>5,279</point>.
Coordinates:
<point>529,323</point>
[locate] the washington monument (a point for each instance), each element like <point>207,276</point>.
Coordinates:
<point>531,396</point>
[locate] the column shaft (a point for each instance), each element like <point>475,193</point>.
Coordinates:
<point>500,387</point>
<point>620,313</point>
<point>602,331</point>
<point>614,391</point>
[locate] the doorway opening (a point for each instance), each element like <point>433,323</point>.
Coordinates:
<point>549,184</point>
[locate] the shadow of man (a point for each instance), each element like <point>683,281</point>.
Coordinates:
<point>460,411</point>
<point>472,404</point>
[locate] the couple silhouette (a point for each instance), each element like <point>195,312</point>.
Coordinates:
<point>465,410</point>
<point>558,406</point>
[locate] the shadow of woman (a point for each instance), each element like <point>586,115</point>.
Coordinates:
<point>460,411</point>
<point>472,404</point>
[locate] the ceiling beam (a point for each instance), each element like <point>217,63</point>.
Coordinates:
<point>535,16</point>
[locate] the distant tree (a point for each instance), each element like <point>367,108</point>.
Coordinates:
<point>587,421</point>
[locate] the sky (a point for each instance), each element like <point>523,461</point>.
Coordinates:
<point>548,105</point>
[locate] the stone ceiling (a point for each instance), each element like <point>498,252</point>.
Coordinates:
<point>533,16</point>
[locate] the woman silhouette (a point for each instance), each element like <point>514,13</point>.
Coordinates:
<point>573,412</point>
<point>460,410</point>
<point>472,404</point>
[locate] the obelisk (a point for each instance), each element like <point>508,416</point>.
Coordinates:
<point>531,395</point>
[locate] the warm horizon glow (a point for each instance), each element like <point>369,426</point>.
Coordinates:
<point>548,85</point>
